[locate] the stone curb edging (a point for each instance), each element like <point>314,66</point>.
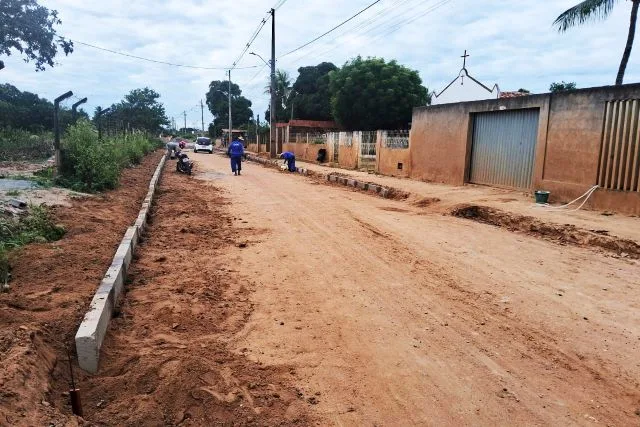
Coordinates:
<point>95,323</point>
<point>331,177</point>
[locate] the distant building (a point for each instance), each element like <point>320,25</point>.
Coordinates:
<point>465,88</point>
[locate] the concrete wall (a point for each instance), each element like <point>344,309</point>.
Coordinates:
<point>348,156</point>
<point>567,151</point>
<point>307,152</point>
<point>388,159</point>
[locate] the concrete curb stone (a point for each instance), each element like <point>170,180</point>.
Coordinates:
<point>95,323</point>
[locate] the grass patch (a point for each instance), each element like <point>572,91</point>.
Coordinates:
<point>37,227</point>
<point>21,145</point>
<point>13,193</point>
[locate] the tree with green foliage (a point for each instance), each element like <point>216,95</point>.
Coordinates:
<point>283,97</point>
<point>589,10</point>
<point>311,99</point>
<point>27,111</point>
<point>27,27</point>
<point>370,94</point>
<point>140,109</point>
<point>562,86</point>
<point>218,103</point>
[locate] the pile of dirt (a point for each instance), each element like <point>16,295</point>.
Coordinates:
<point>166,358</point>
<point>52,286</point>
<point>561,233</point>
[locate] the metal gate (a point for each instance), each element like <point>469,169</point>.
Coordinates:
<point>503,148</point>
<point>368,141</point>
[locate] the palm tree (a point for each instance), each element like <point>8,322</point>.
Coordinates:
<point>600,9</point>
<point>283,90</point>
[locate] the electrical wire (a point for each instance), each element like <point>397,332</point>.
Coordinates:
<point>331,30</point>
<point>149,59</point>
<point>369,22</point>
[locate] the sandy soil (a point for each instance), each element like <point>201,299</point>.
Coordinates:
<point>395,314</point>
<point>166,360</point>
<point>52,286</point>
<point>512,201</point>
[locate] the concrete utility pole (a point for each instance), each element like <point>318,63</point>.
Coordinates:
<point>258,134</point>
<point>272,110</point>
<point>230,121</point>
<point>185,120</point>
<point>56,125</point>
<point>74,108</point>
<point>202,111</point>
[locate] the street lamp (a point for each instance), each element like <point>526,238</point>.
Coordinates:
<point>255,54</point>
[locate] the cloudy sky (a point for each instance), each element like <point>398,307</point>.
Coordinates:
<point>511,43</point>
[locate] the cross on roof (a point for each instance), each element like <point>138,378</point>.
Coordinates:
<point>464,59</point>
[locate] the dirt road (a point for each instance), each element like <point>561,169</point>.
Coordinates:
<point>400,317</point>
<point>374,312</point>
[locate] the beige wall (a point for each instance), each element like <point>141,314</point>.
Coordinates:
<point>348,156</point>
<point>388,159</point>
<point>308,152</point>
<point>567,151</point>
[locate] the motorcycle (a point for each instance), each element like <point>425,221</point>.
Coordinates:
<point>184,163</point>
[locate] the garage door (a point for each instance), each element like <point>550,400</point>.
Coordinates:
<point>503,148</point>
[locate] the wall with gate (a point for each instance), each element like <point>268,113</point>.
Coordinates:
<point>586,137</point>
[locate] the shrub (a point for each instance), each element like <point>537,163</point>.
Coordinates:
<point>92,165</point>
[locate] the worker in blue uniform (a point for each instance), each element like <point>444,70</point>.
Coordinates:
<point>290,158</point>
<point>236,151</point>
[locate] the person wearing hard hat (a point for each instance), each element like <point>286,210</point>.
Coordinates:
<point>236,151</point>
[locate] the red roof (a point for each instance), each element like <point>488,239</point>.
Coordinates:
<point>309,124</point>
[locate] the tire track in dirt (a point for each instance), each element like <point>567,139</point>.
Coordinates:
<point>165,360</point>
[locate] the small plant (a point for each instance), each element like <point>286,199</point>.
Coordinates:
<point>13,193</point>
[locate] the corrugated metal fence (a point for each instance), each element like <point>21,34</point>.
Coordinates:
<point>503,148</point>
<point>620,151</point>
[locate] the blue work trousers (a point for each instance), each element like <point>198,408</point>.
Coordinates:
<point>236,163</point>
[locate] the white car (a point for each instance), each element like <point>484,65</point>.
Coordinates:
<point>203,144</point>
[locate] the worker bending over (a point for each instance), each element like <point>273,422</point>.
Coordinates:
<point>290,158</point>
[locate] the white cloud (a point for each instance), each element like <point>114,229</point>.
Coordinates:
<point>511,43</point>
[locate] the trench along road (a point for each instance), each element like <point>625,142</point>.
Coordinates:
<point>386,313</point>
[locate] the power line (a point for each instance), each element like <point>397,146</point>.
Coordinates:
<point>381,14</point>
<point>251,40</point>
<point>150,60</point>
<point>331,30</point>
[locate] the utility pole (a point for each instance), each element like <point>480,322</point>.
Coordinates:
<point>185,120</point>
<point>56,126</point>
<point>230,121</point>
<point>272,110</point>
<point>202,111</point>
<point>258,134</point>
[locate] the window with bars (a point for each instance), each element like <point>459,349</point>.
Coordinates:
<point>620,150</point>
<point>396,139</point>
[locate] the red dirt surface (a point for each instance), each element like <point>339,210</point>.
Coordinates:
<point>165,360</point>
<point>52,286</point>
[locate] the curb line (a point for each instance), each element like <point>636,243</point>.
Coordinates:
<point>379,190</point>
<point>95,323</point>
